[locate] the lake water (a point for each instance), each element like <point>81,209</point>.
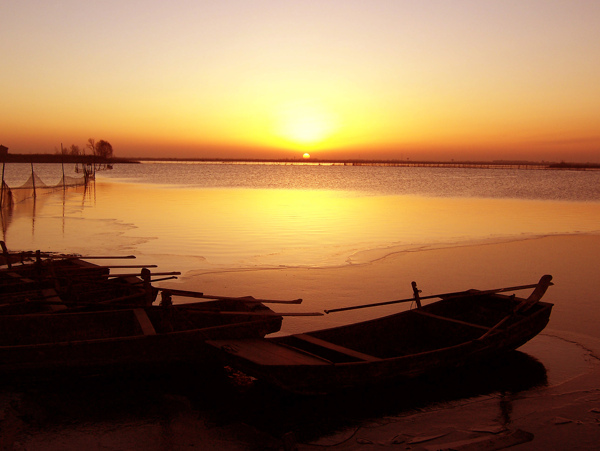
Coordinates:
<point>259,215</point>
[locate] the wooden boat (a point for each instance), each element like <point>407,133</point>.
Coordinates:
<point>51,282</point>
<point>21,294</point>
<point>126,338</point>
<point>459,328</point>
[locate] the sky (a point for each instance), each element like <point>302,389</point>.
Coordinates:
<point>366,79</point>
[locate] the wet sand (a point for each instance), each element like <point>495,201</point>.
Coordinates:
<point>545,397</point>
<point>572,260</point>
<point>563,414</point>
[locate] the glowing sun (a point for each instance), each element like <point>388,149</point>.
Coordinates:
<point>305,124</point>
<point>306,156</point>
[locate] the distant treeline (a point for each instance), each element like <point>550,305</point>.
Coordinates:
<point>59,158</point>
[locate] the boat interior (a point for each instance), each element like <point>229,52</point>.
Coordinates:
<point>443,324</point>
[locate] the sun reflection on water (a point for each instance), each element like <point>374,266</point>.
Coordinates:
<point>240,227</point>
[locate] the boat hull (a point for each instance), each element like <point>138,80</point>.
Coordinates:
<point>124,339</point>
<point>401,346</point>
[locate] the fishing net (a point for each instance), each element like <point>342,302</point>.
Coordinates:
<point>34,186</point>
<point>6,199</point>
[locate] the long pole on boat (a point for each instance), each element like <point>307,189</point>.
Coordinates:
<point>141,274</point>
<point>443,295</point>
<point>199,295</point>
<point>90,269</point>
<point>195,307</point>
<point>77,257</point>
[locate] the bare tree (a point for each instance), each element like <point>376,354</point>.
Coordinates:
<point>91,144</point>
<point>104,149</point>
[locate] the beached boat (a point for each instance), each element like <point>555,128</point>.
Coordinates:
<point>122,339</point>
<point>52,282</point>
<point>459,328</point>
<point>21,293</point>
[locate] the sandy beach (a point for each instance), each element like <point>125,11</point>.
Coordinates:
<point>563,415</point>
<point>572,260</point>
<point>559,411</point>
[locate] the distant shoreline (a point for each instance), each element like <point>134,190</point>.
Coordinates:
<point>495,164</point>
<point>58,159</point>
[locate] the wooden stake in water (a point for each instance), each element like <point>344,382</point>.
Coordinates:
<point>2,186</point>
<point>33,179</point>
<point>63,166</point>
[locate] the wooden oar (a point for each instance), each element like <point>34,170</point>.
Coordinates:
<point>91,268</point>
<point>105,304</point>
<point>197,294</point>
<point>443,295</point>
<point>56,255</point>
<point>525,304</point>
<point>62,271</point>
<point>262,314</point>
<point>158,280</point>
<point>87,257</point>
<point>171,273</point>
<point>31,256</point>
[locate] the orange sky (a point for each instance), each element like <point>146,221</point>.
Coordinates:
<point>414,79</point>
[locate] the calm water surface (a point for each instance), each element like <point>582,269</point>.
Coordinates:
<point>372,180</point>
<point>259,215</point>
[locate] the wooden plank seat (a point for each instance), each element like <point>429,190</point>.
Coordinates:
<point>336,348</point>
<point>444,318</point>
<point>267,352</point>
